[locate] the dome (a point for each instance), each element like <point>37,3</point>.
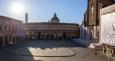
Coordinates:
<point>55,19</point>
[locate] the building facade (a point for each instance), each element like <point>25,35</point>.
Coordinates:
<point>92,17</point>
<point>51,30</point>
<point>11,31</point>
<point>107,31</point>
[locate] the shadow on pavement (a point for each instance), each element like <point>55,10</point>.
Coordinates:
<point>21,52</point>
<point>52,44</point>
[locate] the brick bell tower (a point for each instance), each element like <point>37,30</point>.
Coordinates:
<point>26,17</point>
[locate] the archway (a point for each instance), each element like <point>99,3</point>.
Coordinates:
<point>47,36</point>
<point>64,35</point>
<point>1,41</point>
<point>39,34</point>
<point>6,40</point>
<point>52,37</point>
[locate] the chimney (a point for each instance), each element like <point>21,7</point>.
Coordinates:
<point>26,18</point>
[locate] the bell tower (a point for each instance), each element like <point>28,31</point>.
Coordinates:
<point>26,18</point>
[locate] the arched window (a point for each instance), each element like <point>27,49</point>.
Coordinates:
<point>92,9</point>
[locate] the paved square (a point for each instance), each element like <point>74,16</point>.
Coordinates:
<point>49,50</point>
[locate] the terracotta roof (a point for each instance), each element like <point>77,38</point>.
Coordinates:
<point>34,30</point>
<point>8,18</point>
<point>41,23</point>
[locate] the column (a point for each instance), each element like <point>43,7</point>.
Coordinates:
<point>93,32</point>
<point>11,41</point>
<point>49,36</point>
<point>45,36</point>
<point>7,38</point>
<point>3,41</point>
<point>15,40</point>
<point>36,36</point>
<point>54,35</point>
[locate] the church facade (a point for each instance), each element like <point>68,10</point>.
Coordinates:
<point>51,30</point>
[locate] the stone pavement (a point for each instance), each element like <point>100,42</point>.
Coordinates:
<point>92,44</point>
<point>44,49</point>
<point>86,42</point>
<point>83,41</point>
<point>47,52</point>
<point>50,50</point>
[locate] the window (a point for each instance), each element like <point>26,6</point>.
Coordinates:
<point>92,8</point>
<point>5,27</point>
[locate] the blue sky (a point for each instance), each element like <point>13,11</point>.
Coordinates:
<point>70,11</point>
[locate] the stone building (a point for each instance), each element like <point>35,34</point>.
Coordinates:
<point>92,17</point>
<point>11,31</point>
<point>107,30</point>
<point>51,30</point>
